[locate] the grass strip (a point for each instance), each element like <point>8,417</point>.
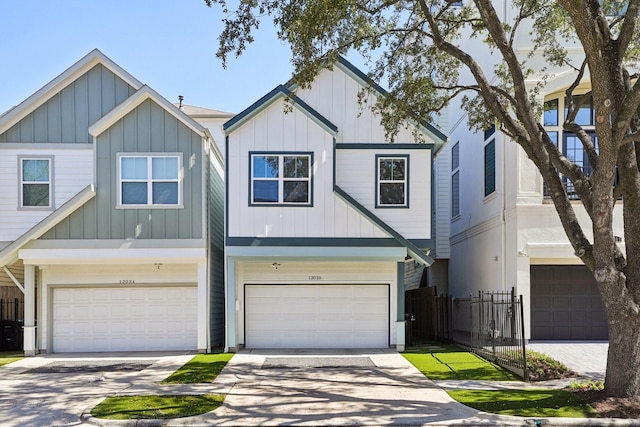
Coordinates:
<point>7,357</point>
<point>202,368</point>
<point>156,407</point>
<point>526,403</point>
<point>448,362</point>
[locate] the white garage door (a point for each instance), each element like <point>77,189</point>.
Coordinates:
<point>317,316</point>
<point>124,319</point>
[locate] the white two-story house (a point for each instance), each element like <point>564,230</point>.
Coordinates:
<point>322,212</point>
<point>111,216</point>
<point>503,230</point>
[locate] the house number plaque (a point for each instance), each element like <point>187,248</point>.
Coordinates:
<point>127,281</point>
<point>315,277</point>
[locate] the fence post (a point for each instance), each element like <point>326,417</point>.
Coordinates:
<point>524,348</point>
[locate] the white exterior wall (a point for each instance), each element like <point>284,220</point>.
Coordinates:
<point>356,174</point>
<point>297,272</point>
<point>72,171</point>
<point>273,131</point>
<point>334,94</point>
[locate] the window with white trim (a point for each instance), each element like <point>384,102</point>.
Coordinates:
<point>392,173</point>
<point>35,182</point>
<point>281,179</point>
<point>149,180</point>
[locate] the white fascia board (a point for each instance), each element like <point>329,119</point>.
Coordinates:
<point>10,254</point>
<point>89,61</point>
<point>112,256</point>
<point>128,105</point>
<point>318,253</point>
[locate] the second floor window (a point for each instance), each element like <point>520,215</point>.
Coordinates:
<point>35,182</point>
<point>281,179</point>
<point>392,181</point>
<point>148,180</point>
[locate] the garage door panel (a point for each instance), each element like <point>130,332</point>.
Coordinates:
<point>566,304</point>
<point>321,316</point>
<point>124,319</point>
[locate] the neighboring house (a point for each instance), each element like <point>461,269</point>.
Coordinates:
<point>213,120</point>
<point>111,216</point>
<point>504,230</point>
<point>322,212</point>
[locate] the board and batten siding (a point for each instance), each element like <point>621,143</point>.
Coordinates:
<point>334,94</point>
<point>147,129</point>
<point>273,130</point>
<point>66,117</point>
<point>356,174</point>
<point>72,171</point>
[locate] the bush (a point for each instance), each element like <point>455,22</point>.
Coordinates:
<point>542,367</point>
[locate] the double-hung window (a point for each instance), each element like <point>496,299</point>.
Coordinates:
<point>35,182</point>
<point>281,179</point>
<point>393,184</point>
<point>149,180</point>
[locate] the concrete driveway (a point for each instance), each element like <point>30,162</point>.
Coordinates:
<point>377,387</point>
<point>54,390</point>
<point>263,388</point>
<point>587,358</point>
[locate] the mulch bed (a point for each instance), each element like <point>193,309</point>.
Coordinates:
<point>611,407</point>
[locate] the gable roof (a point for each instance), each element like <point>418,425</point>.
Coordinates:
<point>93,58</point>
<point>9,254</point>
<point>128,105</point>
<point>364,80</point>
<point>277,93</point>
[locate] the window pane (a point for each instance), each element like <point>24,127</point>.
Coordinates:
<point>554,137</point>
<point>296,192</point>
<point>455,157</point>
<point>397,173</point>
<point>585,112</point>
<point>489,131</point>
<point>551,113</point>
<point>164,167</point>
<point>490,168</point>
<point>35,195</point>
<point>35,170</point>
<point>265,166</point>
<point>133,168</point>
<point>455,194</point>
<point>265,191</point>
<point>165,193</point>
<point>386,169</point>
<point>391,194</point>
<point>134,193</point>
<point>296,167</point>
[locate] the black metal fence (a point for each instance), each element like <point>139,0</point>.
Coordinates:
<point>491,325</point>
<point>11,322</point>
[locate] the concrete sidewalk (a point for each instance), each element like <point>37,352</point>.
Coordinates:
<point>588,358</point>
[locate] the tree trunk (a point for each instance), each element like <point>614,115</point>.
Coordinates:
<point>623,359</point>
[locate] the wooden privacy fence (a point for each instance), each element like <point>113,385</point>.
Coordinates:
<point>489,323</point>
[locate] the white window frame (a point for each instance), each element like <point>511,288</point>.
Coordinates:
<point>22,183</point>
<point>281,179</point>
<point>149,180</point>
<point>404,182</point>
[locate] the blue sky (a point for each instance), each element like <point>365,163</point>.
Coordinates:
<point>169,45</point>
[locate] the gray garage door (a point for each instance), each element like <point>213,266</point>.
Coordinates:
<point>565,304</point>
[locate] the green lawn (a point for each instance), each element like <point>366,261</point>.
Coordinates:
<point>7,357</point>
<point>450,362</point>
<point>203,368</point>
<point>526,403</point>
<point>155,407</point>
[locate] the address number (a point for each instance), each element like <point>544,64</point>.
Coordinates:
<point>127,281</point>
<point>315,277</point>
